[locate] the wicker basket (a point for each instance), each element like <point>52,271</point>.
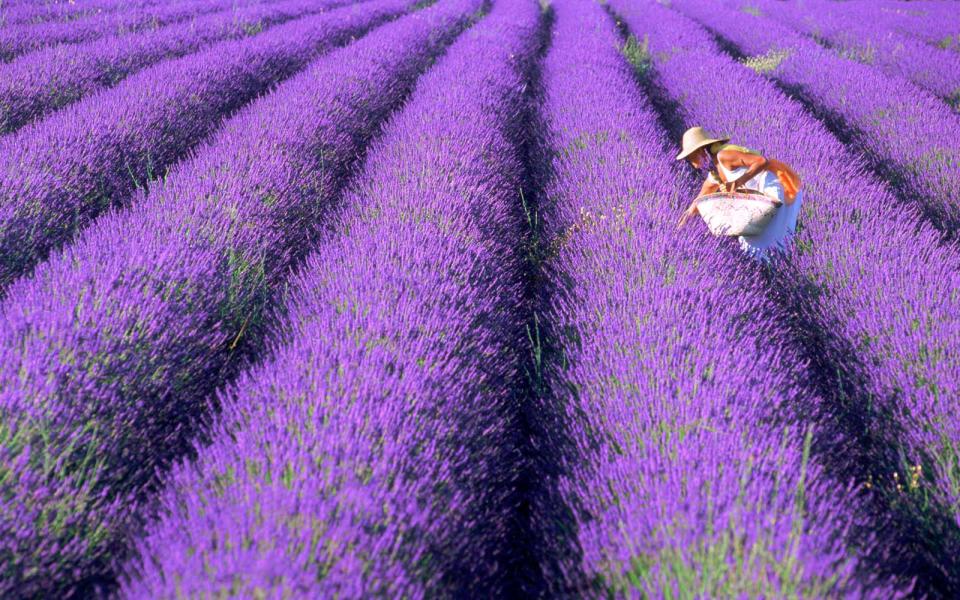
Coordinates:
<point>737,213</point>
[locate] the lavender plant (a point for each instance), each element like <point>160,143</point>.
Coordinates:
<point>935,23</point>
<point>103,381</point>
<point>687,470</point>
<point>27,12</point>
<point>383,428</point>
<point>16,40</point>
<point>852,31</point>
<point>909,136</point>
<point>868,280</point>
<point>19,12</point>
<point>58,174</point>
<point>41,82</point>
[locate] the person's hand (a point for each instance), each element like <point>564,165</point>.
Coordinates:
<point>730,186</point>
<point>687,215</point>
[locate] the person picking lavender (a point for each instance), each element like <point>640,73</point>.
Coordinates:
<point>733,168</point>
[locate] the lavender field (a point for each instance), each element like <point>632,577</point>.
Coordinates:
<point>387,298</point>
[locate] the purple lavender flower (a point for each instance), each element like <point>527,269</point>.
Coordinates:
<point>909,135</point>
<point>120,337</point>
<point>680,393</point>
<point>382,428</point>
<point>15,12</point>
<point>934,22</point>
<point>58,174</point>
<point>867,274</point>
<point>43,81</point>
<point>25,12</point>
<point>852,31</point>
<point>20,39</point>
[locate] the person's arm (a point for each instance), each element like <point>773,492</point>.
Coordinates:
<point>734,159</point>
<point>709,186</point>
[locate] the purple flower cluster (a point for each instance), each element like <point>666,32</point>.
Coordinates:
<point>935,22</point>
<point>852,31</point>
<point>373,455</point>
<point>909,135</point>
<point>687,467</point>
<point>20,12</point>
<point>20,39</point>
<point>413,318</point>
<point>59,173</point>
<point>43,81</point>
<point>108,351</point>
<point>870,274</point>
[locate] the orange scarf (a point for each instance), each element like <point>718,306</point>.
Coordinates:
<point>787,176</point>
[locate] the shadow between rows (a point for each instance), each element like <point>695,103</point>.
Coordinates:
<point>547,558</point>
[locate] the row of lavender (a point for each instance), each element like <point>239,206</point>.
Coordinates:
<point>908,135</point>
<point>160,302</point>
<point>25,12</point>
<point>16,40</point>
<point>383,429</point>
<point>681,399</point>
<point>642,522</point>
<point>853,32</point>
<point>111,347</point>
<point>58,174</point>
<point>933,22</point>
<point>43,81</point>
<point>867,278</point>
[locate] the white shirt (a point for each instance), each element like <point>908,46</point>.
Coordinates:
<point>784,222</point>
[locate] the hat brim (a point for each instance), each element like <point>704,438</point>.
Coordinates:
<point>685,153</point>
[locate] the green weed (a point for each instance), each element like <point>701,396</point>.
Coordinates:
<point>765,64</point>
<point>638,54</point>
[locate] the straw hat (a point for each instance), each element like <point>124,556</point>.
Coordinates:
<point>694,138</point>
